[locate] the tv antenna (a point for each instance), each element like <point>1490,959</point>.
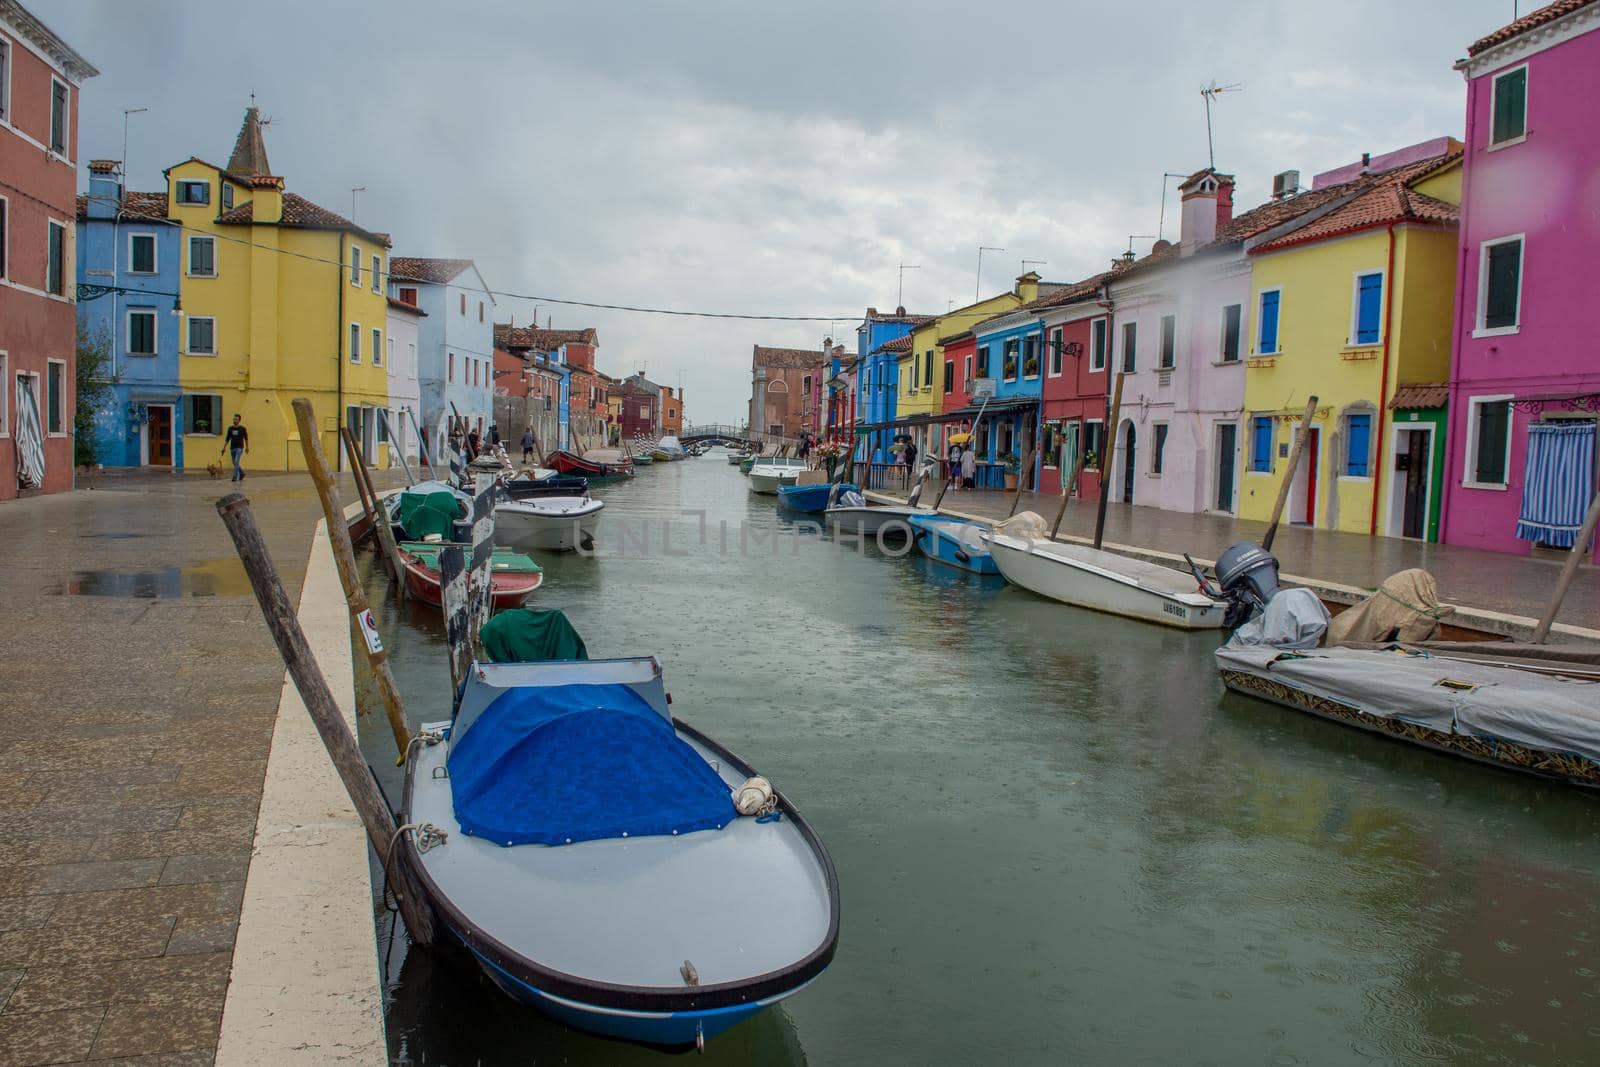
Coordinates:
<point>1034,262</point>
<point>977,286</point>
<point>1210,92</point>
<point>900,300</point>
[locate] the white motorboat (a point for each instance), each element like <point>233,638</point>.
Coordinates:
<point>552,523</point>
<point>767,474</point>
<point>1104,581</point>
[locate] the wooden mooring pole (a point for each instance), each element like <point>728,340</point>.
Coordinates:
<point>323,709</point>
<point>1580,548</point>
<point>344,557</point>
<point>1288,476</point>
<point>1108,450</point>
<point>379,516</point>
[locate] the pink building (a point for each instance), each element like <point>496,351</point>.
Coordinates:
<point>1525,372</point>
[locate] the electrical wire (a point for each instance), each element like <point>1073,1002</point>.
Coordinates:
<point>388,275</point>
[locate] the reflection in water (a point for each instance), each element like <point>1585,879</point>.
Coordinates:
<point>1057,839</point>
<point>204,578</point>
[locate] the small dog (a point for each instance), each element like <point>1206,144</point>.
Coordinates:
<point>214,469</point>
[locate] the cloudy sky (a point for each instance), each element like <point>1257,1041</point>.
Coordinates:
<point>763,159</point>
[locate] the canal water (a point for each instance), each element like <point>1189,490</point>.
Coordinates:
<point>1058,839</point>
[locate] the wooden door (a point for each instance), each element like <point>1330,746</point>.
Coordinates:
<point>1415,519</point>
<point>1310,516</point>
<point>1227,449</point>
<point>158,430</point>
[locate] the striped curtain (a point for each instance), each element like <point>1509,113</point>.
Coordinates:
<point>30,440</point>
<point>1559,482</point>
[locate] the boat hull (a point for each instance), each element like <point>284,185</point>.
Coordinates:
<point>554,524</point>
<point>768,483</point>
<point>952,542</point>
<point>811,499</point>
<point>505,590</point>
<point>1093,582</point>
<point>890,521</point>
<point>600,952</point>
<point>568,463</point>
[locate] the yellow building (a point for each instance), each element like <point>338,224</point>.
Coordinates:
<point>922,384</point>
<point>1355,308</point>
<point>281,299</point>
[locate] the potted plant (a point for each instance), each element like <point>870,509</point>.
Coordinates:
<point>1010,367</point>
<point>1012,465</point>
<point>1031,368</point>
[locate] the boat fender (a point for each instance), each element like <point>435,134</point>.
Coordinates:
<point>690,975</point>
<point>962,556</point>
<point>754,797</point>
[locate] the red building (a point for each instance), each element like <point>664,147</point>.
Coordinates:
<point>959,351</point>
<point>1075,384</point>
<point>512,375</point>
<point>40,75</point>
<point>641,408</point>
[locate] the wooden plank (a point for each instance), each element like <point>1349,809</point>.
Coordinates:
<point>1288,477</point>
<point>1109,450</point>
<point>345,752</point>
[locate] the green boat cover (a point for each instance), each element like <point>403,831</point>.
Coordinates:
<point>428,513</point>
<point>528,634</point>
<point>504,560</point>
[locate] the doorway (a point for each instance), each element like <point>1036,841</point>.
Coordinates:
<point>158,436</point>
<point>1070,432</point>
<point>1410,487</point>
<point>1303,489</point>
<point>1227,453</point>
<point>1130,464</point>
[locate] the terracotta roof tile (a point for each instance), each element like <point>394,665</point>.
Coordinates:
<point>140,205</point>
<point>299,213</point>
<point>525,338</point>
<point>1548,13</point>
<point>1070,293</point>
<point>874,315</point>
<point>1390,199</point>
<point>786,357</point>
<point>401,305</point>
<point>899,344</point>
<point>1426,395</point>
<point>419,269</point>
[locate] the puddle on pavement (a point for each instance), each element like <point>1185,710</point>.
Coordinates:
<point>206,578</point>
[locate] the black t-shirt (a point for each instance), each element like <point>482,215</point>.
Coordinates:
<point>236,437</point>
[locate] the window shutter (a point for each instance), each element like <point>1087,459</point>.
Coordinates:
<point>1510,102</point>
<point>1369,308</point>
<point>1261,444</point>
<point>1490,462</point>
<point>1505,268</point>
<point>1269,322</point>
<point>1358,442</point>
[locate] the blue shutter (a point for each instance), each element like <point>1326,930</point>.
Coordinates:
<point>1358,442</point>
<point>1369,304</point>
<point>1261,444</point>
<point>1268,342</point>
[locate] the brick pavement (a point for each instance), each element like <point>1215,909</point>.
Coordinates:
<point>1491,581</point>
<point>134,732</point>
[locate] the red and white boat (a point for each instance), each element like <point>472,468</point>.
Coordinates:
<point>512,579</point>
<point>595,463</point>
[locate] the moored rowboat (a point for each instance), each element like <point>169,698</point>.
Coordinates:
<point>1104,581</point>
<point>512,579</point>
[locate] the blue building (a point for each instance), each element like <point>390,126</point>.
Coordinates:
<point>1010,349</point>
<point>128,268</point>
<point>455,351</point>
<point>878,375</point>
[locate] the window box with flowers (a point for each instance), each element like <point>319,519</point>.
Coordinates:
<point>1009,368</point>
<point>1030,369</point>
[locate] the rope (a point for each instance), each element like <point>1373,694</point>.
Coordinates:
<point>428,836</point>
<point>1434,613</point>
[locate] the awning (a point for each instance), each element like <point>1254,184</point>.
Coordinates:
<point>1428,395</point>
<point>30,440</point>
<point>1558,483</point>
<point>997,407</point>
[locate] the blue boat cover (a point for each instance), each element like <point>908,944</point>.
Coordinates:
<point>810,497</point>
<point>553,765</point>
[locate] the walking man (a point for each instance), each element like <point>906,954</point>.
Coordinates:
<point>527,446</point>
<point>236,442</point>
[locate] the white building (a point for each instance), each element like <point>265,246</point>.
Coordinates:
<point>455,350</point>
<point>405,392</point>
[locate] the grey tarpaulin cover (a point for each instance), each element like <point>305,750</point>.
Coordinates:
<point>1294,618</point>
<point>1537,710</point>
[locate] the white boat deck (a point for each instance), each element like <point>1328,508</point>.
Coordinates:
<point>739,902</point>
<point>1138,572</point>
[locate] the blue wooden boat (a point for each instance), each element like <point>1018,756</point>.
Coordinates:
<point>592,858</point>
<point>811,499</point>
<point>953,542</point>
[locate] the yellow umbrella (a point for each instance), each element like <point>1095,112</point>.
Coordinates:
<point>959,438</point>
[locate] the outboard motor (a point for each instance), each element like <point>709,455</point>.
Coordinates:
<point>1248,576</point>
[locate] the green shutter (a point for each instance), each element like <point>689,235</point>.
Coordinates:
<point>1510,106</point>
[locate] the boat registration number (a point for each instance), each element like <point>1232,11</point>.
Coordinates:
<point>1175,609</point>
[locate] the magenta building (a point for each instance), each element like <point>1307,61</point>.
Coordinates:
<point>1525,370</point>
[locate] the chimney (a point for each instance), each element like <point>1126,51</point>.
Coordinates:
<point>1207,204</point>
<point>105,189</point>
<point>266,199</point>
